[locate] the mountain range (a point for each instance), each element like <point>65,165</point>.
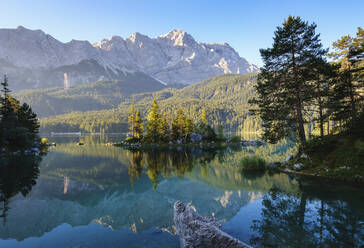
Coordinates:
<point>34,59</point>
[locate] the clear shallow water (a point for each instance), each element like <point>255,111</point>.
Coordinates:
<point>99,196</point>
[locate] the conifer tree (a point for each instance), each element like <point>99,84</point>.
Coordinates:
<point>322,79</point>
<point>131,120</point>
<point>220,133</point>
<point>153,123</point>
<point>19,125</point>
<point>189,128</point>
<point>138,126</point>
<point>28,119</point>
<point>348,58</point>
<point>7,114</point>
<point>203,117</point>
<point>283,88</point>
<point>178,126</point>
<point>164,129</point>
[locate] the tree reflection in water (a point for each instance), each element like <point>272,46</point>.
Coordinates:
<point>168,162</point>
<point>18,174</point>
<point>313,217</point>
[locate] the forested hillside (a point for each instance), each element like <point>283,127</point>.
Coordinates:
<point>99,95</point>
<point>224,98</point>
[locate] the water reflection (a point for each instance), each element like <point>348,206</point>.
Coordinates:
<point>127,196</point>
<point>18,174</point>
<point>304,220</point>
<point>167,162</point>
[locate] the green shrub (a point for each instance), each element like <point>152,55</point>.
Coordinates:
<point>253,163</point>
<point>19,138</point>
<point>131,140</point>
<point>318,145</point>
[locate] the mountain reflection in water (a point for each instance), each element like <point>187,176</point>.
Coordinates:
<point>94,195</point>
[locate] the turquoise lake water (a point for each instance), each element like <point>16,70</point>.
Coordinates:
<point>100,196</point>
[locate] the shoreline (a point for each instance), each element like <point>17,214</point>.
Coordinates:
<point>220,145</point>
<point>326,179</point>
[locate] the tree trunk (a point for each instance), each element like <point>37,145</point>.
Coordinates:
<point>320,109</point>
<point>352,102</point>
<point>300,126</point>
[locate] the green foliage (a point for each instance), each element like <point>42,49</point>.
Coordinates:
<point>224,99</point>
<point>18,124</point>
<point>154,122</point>
<point>100,95</point>
<point>253,163</point>
<point>283,87</point>
<point>203,117</point>
<point>178,126</point>
<point>18,137</point>
<point>207,132</point>
<point>189,128</point>
<point>347,97</point>
<point>131,119</point>
<point>138,126</point>
<point>220,134</point>
<point>132,140</point>
<point>235,139</point>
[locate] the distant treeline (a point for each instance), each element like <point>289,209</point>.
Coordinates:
<point>223,98</point>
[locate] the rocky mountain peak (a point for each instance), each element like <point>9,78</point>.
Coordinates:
<point>174,57</point>
<point>138,37</point>
<point>179,37</point>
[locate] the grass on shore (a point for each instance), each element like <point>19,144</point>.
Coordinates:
<point>253,163</point>
<point>338,157</point>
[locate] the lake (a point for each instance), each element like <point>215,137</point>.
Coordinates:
<point>100,196</point>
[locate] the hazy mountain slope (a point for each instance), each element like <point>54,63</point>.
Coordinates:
<point>225,99</point>
<point>34,59</point>
<point>94,96</point>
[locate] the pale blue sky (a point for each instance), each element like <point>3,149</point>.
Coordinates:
<point>245,25</point>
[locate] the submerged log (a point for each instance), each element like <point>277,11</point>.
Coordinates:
<point>196,231</point>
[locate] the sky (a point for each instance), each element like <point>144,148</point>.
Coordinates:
<point>246,25</point>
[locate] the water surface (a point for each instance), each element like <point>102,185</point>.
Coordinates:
<point>100,196</point>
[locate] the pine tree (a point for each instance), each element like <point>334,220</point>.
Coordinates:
<point>5,91</point>
<point>348,58</point>
<point>131,120</point>
<point>283,89</point>
<point>138,126</point>
<point>203,117</point>
<point>19,125</point>
<point>7,113</point>
<point>189,128</point>
<point>178,126</point>
<point>220,133</point>
<point>322,79</point>
<point>164,129</point>
<point>153,123</point>
<point>28,119</point>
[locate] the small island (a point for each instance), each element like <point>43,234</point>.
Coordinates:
<point>164,129</point>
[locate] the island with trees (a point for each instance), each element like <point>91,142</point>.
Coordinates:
<point>162,128</point>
